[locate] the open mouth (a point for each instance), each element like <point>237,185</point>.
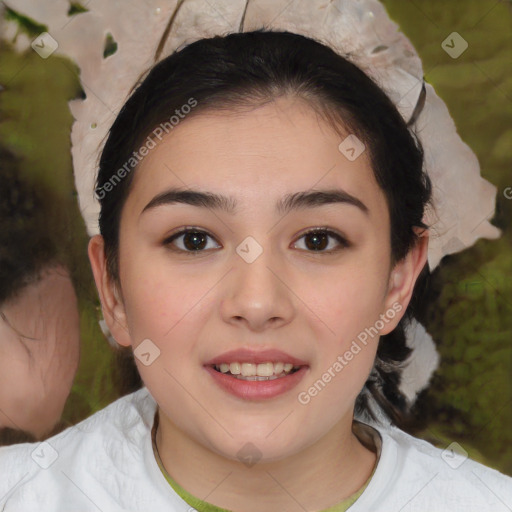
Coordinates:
<point>256,372</point>
<point>251,375</point>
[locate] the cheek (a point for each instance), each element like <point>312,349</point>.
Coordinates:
<point>155,294</point>
<point>347,300</point>
<point>165,303</point>
<point>347,340</point>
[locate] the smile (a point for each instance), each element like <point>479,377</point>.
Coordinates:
<point>252,374</point>
<point>256,372</point>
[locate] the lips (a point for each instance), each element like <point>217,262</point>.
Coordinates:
<point>250,374</point>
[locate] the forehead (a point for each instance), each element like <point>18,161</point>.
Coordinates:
<point>256,156</point>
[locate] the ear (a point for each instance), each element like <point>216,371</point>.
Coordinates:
<point>403,278</point>
<point>111,300</point>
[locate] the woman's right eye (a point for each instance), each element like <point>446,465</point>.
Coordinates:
<point>189,241</point>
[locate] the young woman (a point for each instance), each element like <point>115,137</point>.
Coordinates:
<point>261,236</point>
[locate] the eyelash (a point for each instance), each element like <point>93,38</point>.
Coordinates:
<point>343,242</point>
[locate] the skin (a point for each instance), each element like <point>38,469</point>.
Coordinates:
<point>310,305</point>
<point>39,353</point>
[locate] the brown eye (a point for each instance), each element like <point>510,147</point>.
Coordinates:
<point>318,240</point>
<point>189,240</point>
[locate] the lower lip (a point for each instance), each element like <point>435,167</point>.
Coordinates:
<point>256,389</point>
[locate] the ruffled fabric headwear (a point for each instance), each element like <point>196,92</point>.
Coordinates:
<point>146,32</point>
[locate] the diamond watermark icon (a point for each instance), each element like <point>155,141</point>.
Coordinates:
<point>249,454</point>
<point>44,455</point>
<point>146,352</point>
<point>454,45</point>
<point>44,45</point>
<point>453,245</point>
<point>351,147</point>
<point>249,250</point>
<point>454,455</point>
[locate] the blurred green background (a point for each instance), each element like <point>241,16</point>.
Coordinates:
<point>469,311</point>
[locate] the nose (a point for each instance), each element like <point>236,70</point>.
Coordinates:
<point>257,294</point>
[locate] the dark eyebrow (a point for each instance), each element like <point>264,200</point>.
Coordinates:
<point>295,201</point>
<point>315,198</point>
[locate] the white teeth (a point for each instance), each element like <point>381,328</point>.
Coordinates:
<point>261,371</point>
<point>235,369</point>
<point>248,369</point>
<point>265,370</point>
<point>257,377</point>
<point>278,368</point>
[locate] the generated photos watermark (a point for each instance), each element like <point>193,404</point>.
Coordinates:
<point>150,143</point>
<point>304,397</point>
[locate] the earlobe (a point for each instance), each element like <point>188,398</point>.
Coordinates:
<point>403,277</point>
<point>111,301</point>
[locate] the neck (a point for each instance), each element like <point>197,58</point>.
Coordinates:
<point>321,475</point>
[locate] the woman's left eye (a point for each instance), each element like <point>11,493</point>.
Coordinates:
<point>317,240</point>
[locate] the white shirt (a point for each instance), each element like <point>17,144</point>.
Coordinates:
<point>106,463</point>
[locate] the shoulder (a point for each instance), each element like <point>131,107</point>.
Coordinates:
<point>421,477</point>
<point>90,452</point>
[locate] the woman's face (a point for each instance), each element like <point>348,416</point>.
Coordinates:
<point>256,291</point>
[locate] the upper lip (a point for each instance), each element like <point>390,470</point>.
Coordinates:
<point>245,355</point>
